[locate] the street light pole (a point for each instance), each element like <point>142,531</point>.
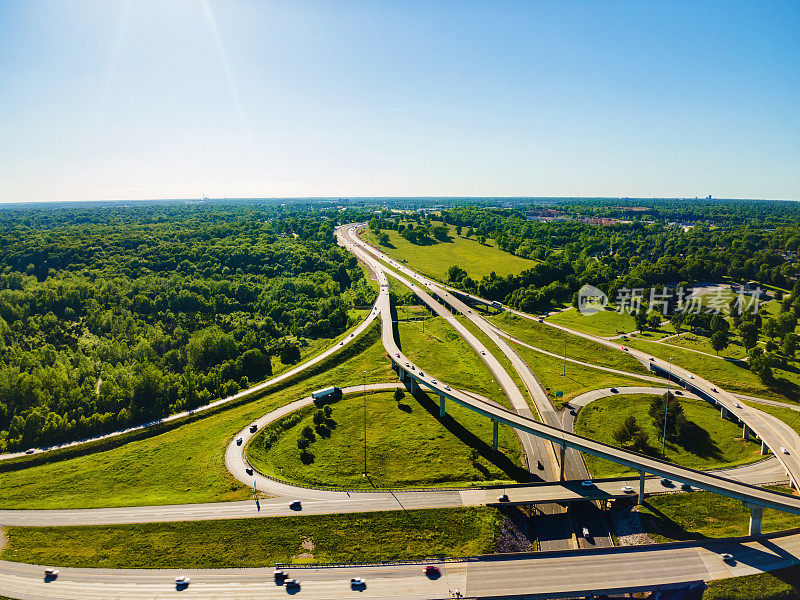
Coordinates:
<point>365,423</point>
<point>666,408</point>
<point>564,368</point>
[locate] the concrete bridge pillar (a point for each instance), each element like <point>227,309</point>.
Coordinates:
<point>561,461</point>
<point>723,412</point>
<point>641,487</point>
<point>495,431</point>
<point>756,515</point>
<point>746,431</point>
<point>441,406</point>
<point>764,448</point>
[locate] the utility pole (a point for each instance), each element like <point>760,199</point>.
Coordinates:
<point>365,423</point>
<point>666,408</point>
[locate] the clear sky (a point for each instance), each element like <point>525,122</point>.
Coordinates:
<point>176,99</point>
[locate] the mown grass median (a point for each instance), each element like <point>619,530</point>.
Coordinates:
<point>353,537</point>
<point>408,445</point>
<point>708,443</point>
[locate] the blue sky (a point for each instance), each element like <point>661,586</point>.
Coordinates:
<point>125,100</point>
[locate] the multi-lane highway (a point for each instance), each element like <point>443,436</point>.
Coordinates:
<point>774,437</point>
<point>543,575</point>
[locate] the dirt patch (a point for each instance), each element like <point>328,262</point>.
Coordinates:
<point>308,545</point>
<point>515,533</point>
<point>627,524</point>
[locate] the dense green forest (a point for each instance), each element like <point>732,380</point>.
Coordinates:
<point>648,251</point>
<point>116,315</point>
<point>111,317</point>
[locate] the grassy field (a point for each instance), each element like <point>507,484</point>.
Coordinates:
<point>407,446</point>
<point>182,465</point>
<point>442,352</point>
<point>705,515</point>
<point>360,537</point>
<point>729,375</point>
<point>702,343</point>
<point>502,359</point>
<point>783,584</point>
<point>433,260</point>
<point>553,340</point>
<point>577,380</point>
<point>712,442</point>
<point>603,323</point>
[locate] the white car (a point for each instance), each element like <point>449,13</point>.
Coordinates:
<point>726,557</point>
<point>585,533</point>
<point>447,387</point>
<point>587,483</point>
<point>627,489</point>
<point>434,381</point>
<point>357,581</point>
<point>483,352</point>
<point>239,442</point>
<point>51,572</point>
<point>181,580</point>
<point>291,583</point>
<point>784,450</point>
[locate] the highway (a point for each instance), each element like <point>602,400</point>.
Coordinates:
<point>773,436</point>
<point>556,531</point>
<point>542,575</point>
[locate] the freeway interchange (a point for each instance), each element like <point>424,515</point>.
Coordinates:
<point>559,571</point>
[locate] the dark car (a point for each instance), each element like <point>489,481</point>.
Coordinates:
<point>432,571</point>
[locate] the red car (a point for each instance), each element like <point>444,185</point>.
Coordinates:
<point>431,571</point>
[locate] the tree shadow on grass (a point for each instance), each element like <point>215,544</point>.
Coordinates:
<point>785,387</point>
<point>698,441</point>
<point>660,523</point>
<point>404,407</point>
<point>497,458</point>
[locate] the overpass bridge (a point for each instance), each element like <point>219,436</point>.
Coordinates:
<point>754,498</point>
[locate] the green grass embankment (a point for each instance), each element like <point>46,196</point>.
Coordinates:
<point>359,537</point>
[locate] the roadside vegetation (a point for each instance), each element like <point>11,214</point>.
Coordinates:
<point>185,464</point>
<point>360,537</point>
<point>571,380</point>
<point>502,359</point>
<point>433,255</point>
<point>408,445</point>
<point>783,584</point>
<point>702,440</point>
<point>557,341</point>
<point>700,515</point>
<point>114,317</point>
<point>440,351</point>
<point>605,323</point>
